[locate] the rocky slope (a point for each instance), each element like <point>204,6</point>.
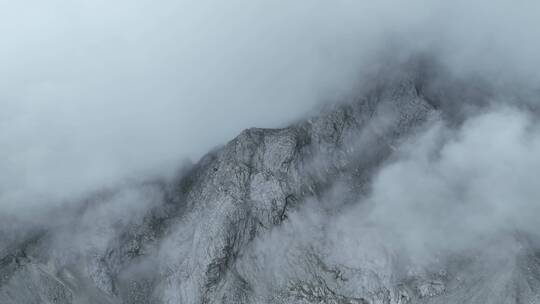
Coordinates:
<point>232,228</point>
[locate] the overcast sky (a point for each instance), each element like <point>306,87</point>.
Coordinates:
<point>93,92</point>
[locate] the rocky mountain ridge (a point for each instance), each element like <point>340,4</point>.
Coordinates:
<point>224,232</point>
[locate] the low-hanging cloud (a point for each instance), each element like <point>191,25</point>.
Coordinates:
<point>450,191</point>
<point>469,192</point>
<point>95,92</point>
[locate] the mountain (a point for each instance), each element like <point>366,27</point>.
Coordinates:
<point>254,221</point>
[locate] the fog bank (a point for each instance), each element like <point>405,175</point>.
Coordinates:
<point>93,93</point>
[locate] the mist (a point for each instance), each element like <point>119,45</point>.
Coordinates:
<point>478,183</point>
<point>105,105</point>
<point>465,195</point>
<point>97,93</point>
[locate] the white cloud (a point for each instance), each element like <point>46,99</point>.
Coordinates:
<point>95,91</point>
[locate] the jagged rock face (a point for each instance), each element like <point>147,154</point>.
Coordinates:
<point>202,238</point>
<point>246,188</point>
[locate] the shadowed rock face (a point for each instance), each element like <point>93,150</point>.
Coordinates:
<point>201,238</point>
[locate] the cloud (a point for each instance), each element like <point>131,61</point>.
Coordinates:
<point>468,193</point>
<point>451,195</point>
<point>95,92</point>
